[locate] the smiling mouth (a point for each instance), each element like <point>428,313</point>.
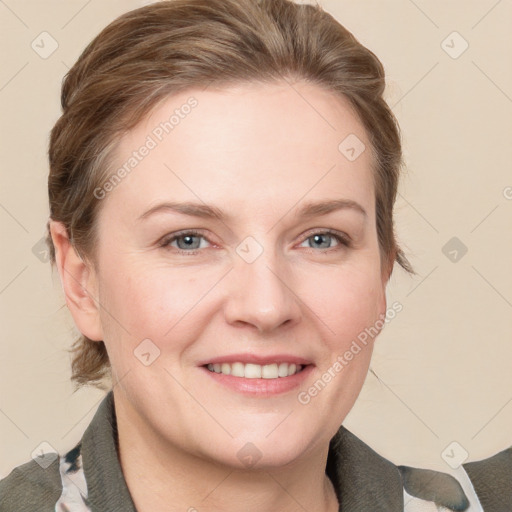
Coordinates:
<point>256,371</point>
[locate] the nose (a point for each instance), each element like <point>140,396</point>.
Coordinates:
<point>261,295</point>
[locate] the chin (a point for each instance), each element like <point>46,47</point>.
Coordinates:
<point>260,450</point>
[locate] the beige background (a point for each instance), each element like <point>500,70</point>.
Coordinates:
<point>444,362</point>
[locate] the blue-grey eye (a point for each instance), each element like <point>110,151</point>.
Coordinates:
<point>323,240</point>
<point>188,241</point>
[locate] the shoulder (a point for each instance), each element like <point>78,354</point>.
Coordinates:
<point>362,476</point>
<point>33,486</point>
<point>492,480</point>
<point>48,483</point>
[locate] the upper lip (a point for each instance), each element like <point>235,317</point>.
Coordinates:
<point>256,359</point>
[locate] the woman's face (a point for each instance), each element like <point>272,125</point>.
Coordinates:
<point>272,279</point>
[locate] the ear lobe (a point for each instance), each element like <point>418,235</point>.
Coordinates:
<point>79,284</point>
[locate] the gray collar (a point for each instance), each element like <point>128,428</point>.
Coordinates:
<point>362,478</point>
<point>105,481</point>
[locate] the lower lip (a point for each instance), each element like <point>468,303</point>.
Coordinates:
<point>261,387</point>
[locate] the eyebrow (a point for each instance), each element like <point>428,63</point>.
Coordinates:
<point>201,210</point>
<point>323,208</point>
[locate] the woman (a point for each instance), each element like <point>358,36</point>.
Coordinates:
<point>221,187</point>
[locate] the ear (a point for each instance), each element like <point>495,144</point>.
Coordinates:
<point>79,284</point>
<point>385,275</point>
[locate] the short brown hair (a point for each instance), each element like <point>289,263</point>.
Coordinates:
<point>149,53</point>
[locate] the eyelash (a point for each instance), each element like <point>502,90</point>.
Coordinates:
<point>344,240</point>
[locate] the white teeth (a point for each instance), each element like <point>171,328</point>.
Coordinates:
<point>269,371</point>
<point>283,370</point>
<point>256,371</point>
<point>252,371</point>
<point>237,370</point>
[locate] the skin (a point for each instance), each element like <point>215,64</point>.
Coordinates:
<point>179,430</point>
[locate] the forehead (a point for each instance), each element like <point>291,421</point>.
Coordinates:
<point>276,142</point>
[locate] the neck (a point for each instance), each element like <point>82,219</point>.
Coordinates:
<point>163,477</point>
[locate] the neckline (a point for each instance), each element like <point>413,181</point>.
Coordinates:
<point>361,478</point>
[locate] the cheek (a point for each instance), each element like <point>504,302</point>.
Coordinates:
<point>346,301</point>
<point>153,303</point>
<point>348,304</point>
